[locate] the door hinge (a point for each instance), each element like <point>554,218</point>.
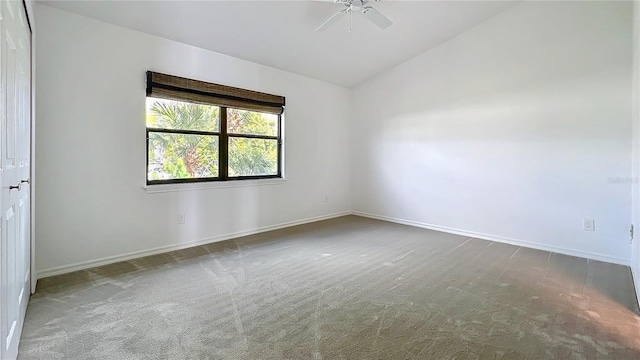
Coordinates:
<point>631,234</point>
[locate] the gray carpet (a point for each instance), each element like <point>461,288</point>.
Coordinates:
<point>347,288</point>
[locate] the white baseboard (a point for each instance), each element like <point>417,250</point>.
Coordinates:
<point>501,239</point>
<point>138,254</point>
<point>163,249</point>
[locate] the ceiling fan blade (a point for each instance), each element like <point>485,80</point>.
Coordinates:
<point>330,21</point>
<point>376,17</point>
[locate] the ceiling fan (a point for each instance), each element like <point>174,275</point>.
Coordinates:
<point>362,6</point>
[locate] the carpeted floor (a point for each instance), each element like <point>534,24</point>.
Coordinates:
<point>347,288</point>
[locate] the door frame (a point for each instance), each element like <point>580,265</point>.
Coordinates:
<point>29,10</point>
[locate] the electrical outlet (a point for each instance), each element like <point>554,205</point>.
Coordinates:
<point>589,225</point>
<point>326,198</point>
<point>180,218</point>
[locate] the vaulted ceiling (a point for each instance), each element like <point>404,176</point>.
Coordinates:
<point>281,34</point>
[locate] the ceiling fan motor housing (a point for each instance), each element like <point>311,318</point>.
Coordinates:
<point>369,12</point>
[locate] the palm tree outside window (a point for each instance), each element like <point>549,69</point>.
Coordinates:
<point>193,141</point>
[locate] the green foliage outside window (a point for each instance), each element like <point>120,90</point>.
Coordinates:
<point>252,156</point>
<point>182,156</point>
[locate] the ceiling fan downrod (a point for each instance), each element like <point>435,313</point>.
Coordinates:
<point>350,17</point>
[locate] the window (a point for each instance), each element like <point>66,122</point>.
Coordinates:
<point>199,131</point>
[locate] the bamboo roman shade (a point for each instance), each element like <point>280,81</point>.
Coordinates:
<point>178,88</point>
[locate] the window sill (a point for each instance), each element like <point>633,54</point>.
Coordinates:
<point>164,188</point>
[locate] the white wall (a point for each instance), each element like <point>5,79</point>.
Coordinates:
<point>91,146</point>
<point>515,130</point>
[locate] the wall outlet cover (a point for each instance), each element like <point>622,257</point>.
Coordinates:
<point>589,225</point>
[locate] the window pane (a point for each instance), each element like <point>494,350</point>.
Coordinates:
<point>253,157</point>
<point>251,122</point>
<point>182,156</point>
<point>180,115</point>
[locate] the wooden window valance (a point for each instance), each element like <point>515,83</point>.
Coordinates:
<point>178,88</point>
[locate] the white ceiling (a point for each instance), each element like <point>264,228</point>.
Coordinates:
<point>281,34</point>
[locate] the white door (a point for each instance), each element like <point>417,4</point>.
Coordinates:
<point>15,119</point>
